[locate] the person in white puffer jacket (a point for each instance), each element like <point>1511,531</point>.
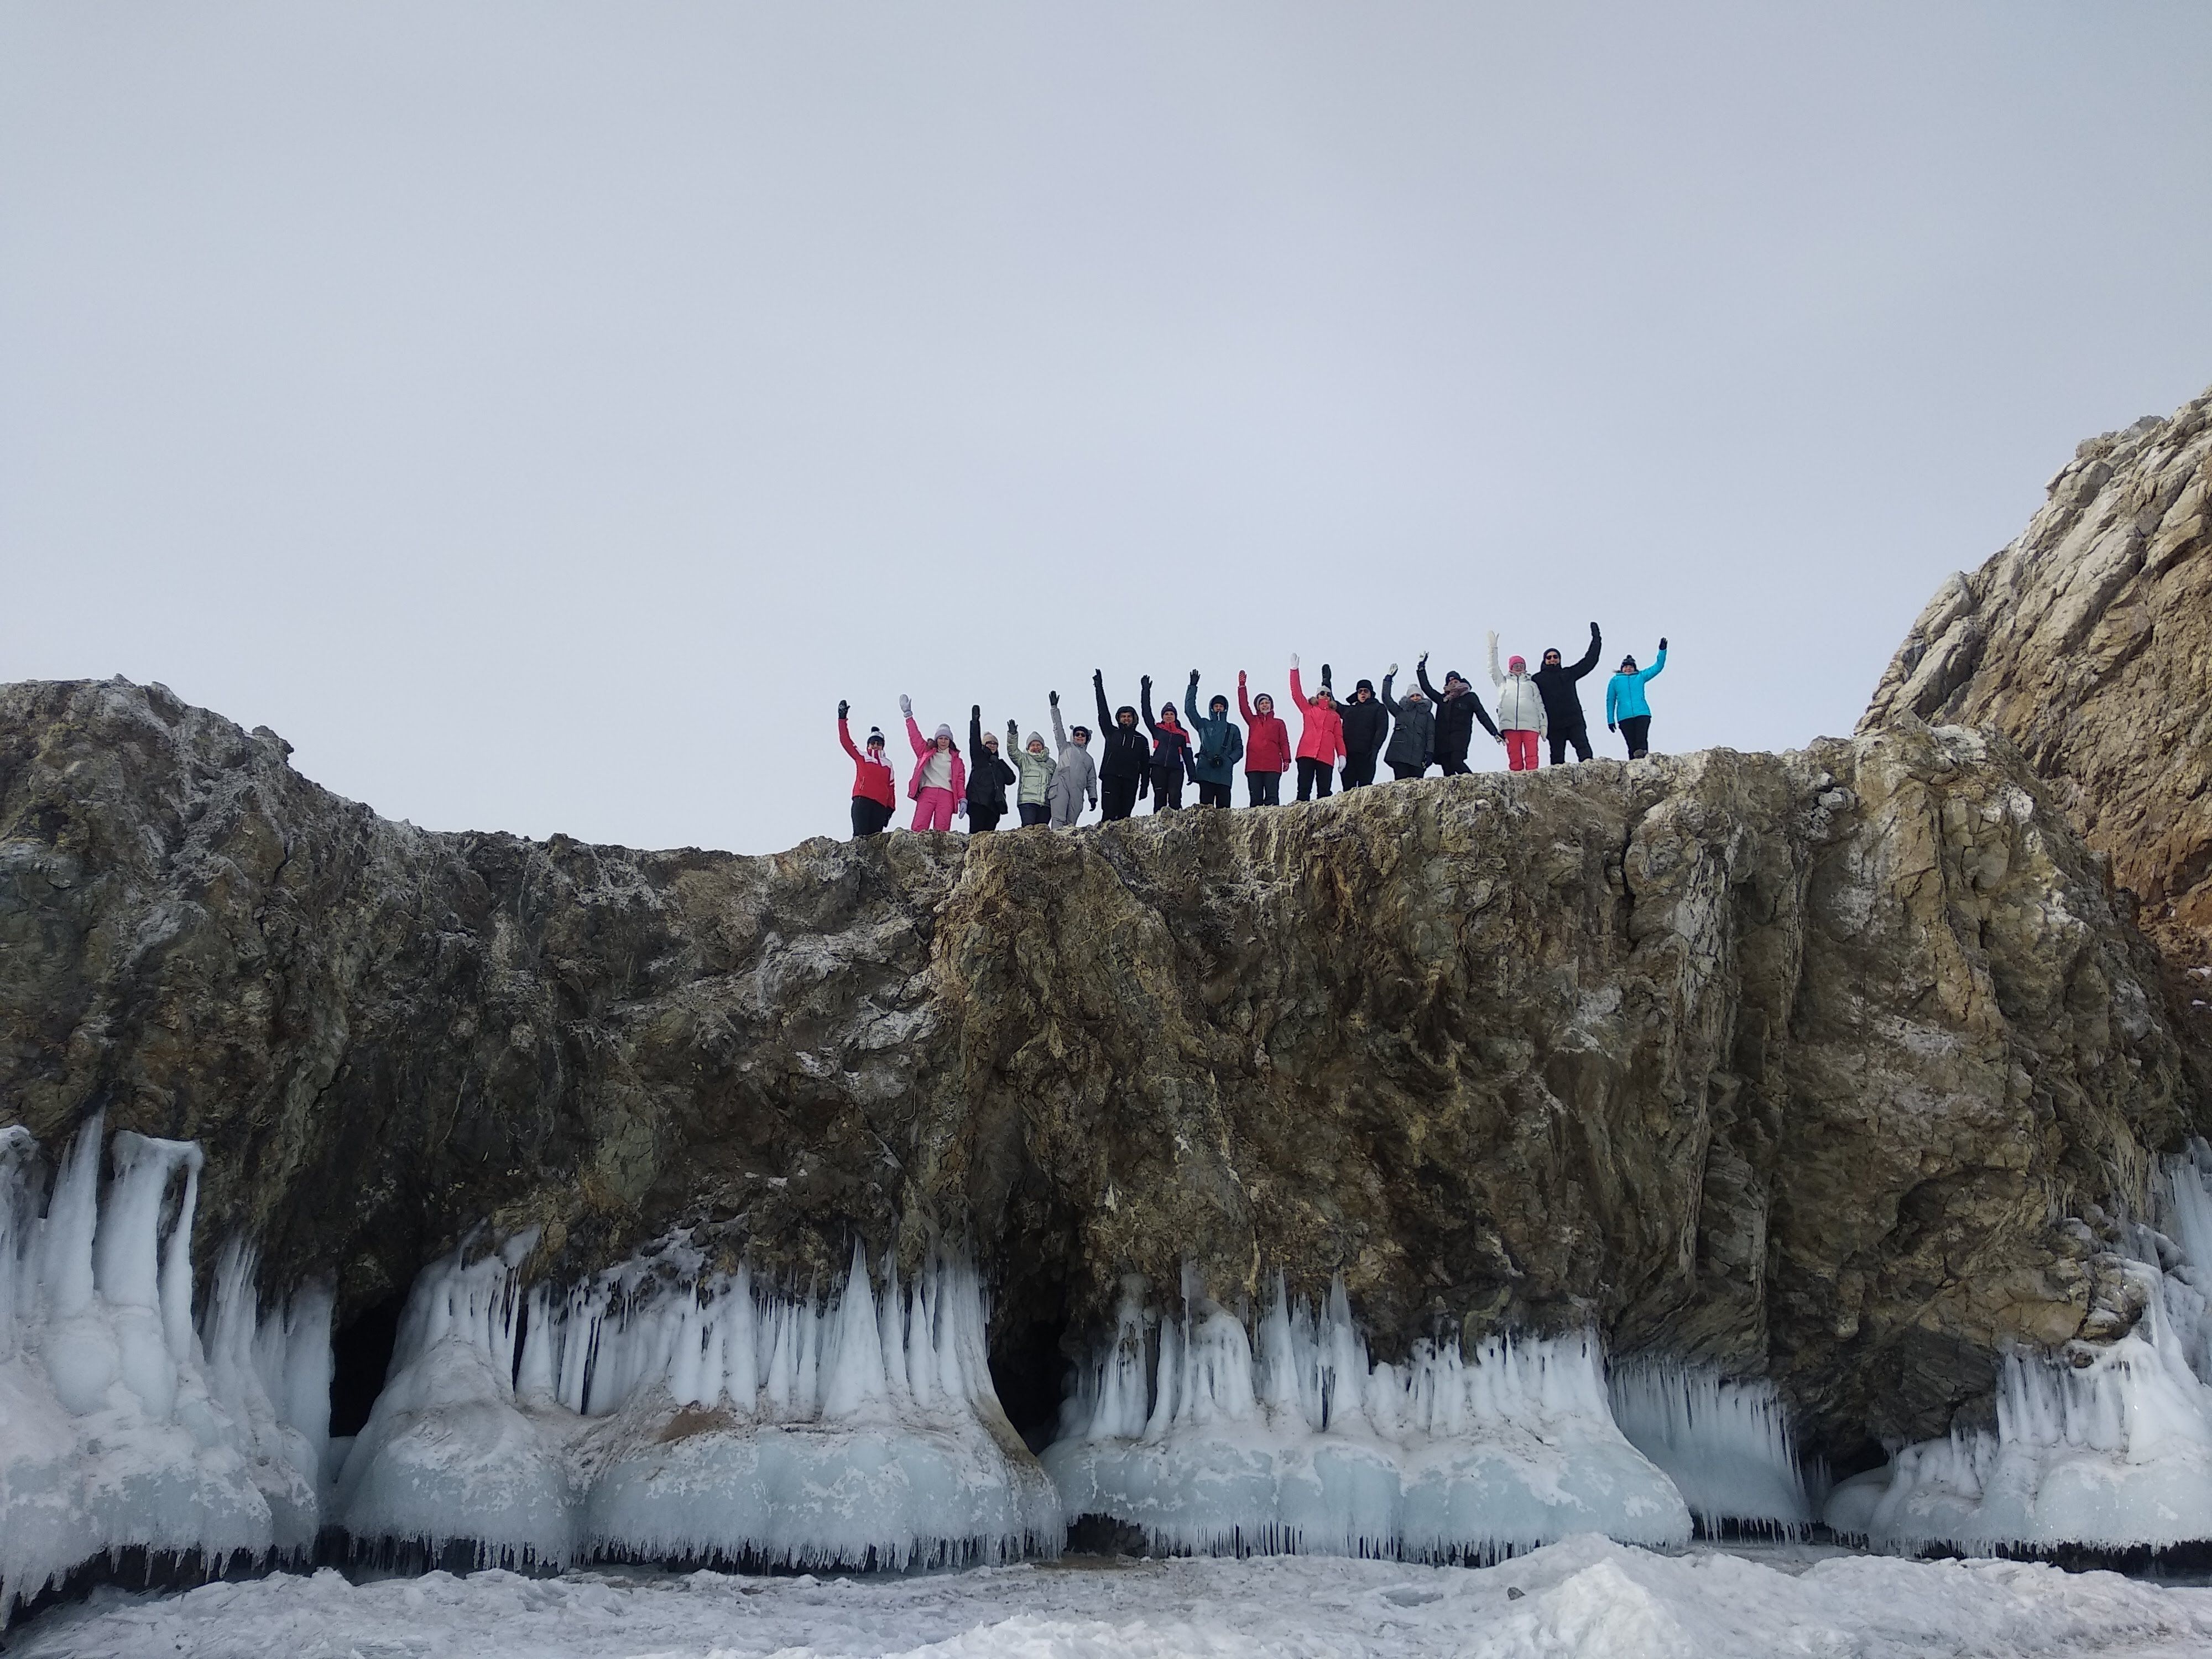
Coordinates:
<point>1521,717</point>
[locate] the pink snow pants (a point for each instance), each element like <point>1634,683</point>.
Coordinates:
<point>932,809</point>
<point>1520,751</point>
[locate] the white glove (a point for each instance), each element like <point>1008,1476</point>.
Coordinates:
<point>1493,636</point>
<point>906,705</point>
<point>1294,660</point>
<point>1392,669</point>
<point>1423,658</point>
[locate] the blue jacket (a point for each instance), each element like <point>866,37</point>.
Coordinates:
<point>1217,744</point>
<point>1624,693</point>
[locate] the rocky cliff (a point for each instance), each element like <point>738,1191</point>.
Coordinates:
<point>1812,1065</point>
<point>2088,642</point>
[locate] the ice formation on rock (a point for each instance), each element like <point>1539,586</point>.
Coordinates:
<point>667,1411</point>
<point>2105,1446</point>
<point>1214,1439</point>
<point>1724,1444</point>
<point>122,1425</point>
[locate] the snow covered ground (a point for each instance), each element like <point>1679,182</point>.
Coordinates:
<point>1585,1596</point>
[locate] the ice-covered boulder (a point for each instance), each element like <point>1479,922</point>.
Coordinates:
<point>121,1426</point>
<point>1298,1442</point>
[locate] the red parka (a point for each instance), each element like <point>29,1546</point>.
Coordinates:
<point>1266,739</point>
<point>1321,736</point>
<point>871,779</point>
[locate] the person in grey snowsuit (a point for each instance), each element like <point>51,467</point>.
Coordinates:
<point>1216,745</point>
<point>1076,777</point>
<point>1413,731</point>
<point>1032,798</point>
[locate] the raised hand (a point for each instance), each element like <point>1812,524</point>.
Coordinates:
<point>1662,642</point>
<point>1240,679</point>
<point>1145,680</point>
<point>1055,696</point>
<point>974,711</point>
<point>1593,631</point>
<point>1294,660</point>
<point>1193,677</point>
<point>1391,670</point>
<point>906,705</point>
<point>843,708</point>
<point>1326,677</point>
<point>1421,660</point>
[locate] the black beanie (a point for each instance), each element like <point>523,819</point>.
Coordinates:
<point>1364,685</point>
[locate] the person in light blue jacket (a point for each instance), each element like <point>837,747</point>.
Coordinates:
<point>1626,710</point>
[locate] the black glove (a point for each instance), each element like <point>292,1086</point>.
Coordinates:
<point>1325,675</point>
<point>1193,677</point>
<point>975,711</point>
<point>843,708</point>
<point>1145,680</point>
<point>1593,631</point>
<point>1055,695</point>
<point>1662,642</point>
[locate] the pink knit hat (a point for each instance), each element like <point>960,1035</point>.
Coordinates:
<point>1517,665</point>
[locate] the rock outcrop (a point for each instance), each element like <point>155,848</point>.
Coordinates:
<point>2088,642</point>
<point>1802,1065</point>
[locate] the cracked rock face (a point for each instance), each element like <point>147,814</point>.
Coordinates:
<point>1799,1063</point>
<point>2088,642</point>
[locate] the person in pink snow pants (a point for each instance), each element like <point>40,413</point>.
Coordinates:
<point>940,776</point>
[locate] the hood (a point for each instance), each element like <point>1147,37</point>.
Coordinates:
<point>1124,709</point>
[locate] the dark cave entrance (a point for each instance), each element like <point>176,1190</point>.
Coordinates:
<point>1031,1372</point>
<point>360,1353</point>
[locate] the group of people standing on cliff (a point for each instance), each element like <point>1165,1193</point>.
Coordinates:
<point>1338,740</point>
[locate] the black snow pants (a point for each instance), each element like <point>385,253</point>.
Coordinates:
<point>1635,731</point>
<point>1404,771</point>
<point>1167,789</point>
<point>1357,771</point>
<point>869,816</point>
<point>1266,788</point>
<point>981,820</point>
<point>1314,777</point>
<point>1559,740</point>
<point>1214,794</point>
<point>1035,812</point>
<point>1117,797</point>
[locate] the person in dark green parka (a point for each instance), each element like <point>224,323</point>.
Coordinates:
<point>1216,745</point>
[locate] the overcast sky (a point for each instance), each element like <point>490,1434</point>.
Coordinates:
<point>542,415</point>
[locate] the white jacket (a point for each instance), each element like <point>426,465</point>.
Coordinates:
<point>1519,704</point>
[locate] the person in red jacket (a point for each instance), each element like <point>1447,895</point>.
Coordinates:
<point>1320,735</point>
<point>940,776</point>
<point>1267,747</point>
<point>872,799</point>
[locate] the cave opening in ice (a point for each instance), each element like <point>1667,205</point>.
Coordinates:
<point>1213,1432</point>
<point>127,1430</point>
<point>1726,1443</point>
<point>361,1359</point>
<point>674,1409</point>
<point>2102,1446</point>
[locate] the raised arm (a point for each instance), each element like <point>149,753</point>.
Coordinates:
<point>1145,705</point>
<point>1658,662</point>
<point>1497,674</point>
<point>1388,675</point>
<point>1589,657</point>
<point>975,736</point>
<point>914,736</point>
<point>1421,673</point>
<point>1059,730</point>
<point>1105,716</point>
<point>1297,692</point>
<point>845,732</point>
<point>1190,699</point>
<point>1243,702</point>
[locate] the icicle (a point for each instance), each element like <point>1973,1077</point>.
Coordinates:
<point>65,1267</point>
<point>892,1336</point>
<point>741,1359</point>
<point>856,1380</point>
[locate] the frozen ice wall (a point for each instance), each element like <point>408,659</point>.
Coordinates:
<point>1725,1444</point>
<point>1214,1439</point>
<point>2107,1446</point>
<point>668,1411</point>
<point>120,1424</point>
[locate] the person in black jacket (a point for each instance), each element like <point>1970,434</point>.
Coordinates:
<point>1367,723</point>
<point>1125,768</point>
<point>1563,703</point>
<point>1413,739</point>
<point>989,774</point>
<point>1170,750</point>
<point>1458,710</point>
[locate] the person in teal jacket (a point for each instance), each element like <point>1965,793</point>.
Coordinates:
<point>1216,745</point>
<point>1626,710</point>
